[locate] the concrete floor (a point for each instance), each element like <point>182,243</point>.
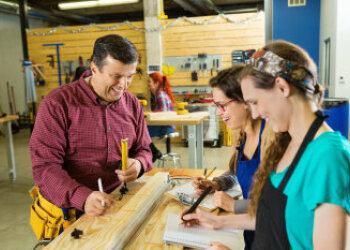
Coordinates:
<point>15,231</point>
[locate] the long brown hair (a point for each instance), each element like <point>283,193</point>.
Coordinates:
<point>228,81</point>
<point>296,55</point>
<point>164,84</point>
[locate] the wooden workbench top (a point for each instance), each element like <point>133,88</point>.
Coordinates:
<point>9,118</point>
<point>148,236</point>
<point>166,118</point>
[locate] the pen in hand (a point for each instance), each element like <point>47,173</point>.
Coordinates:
<point>205,172</point>
<point>198,201</point>
<point>100,188</point>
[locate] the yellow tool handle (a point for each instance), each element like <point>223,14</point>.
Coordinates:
<point>124,154</point>
<point>209,173</point>
<point>143,102</point>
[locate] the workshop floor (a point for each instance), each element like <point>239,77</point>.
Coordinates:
<point>15,231</point>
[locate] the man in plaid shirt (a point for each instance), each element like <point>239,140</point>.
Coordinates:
<point>79,127</point>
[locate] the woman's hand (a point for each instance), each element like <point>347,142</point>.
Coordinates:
<point>202,218</point>
<point>224,201</point>
<point>217,246</point>
<point>200,184</point>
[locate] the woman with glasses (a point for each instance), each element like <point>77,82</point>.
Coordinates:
<point>252,136</point>
<point>301,191</point>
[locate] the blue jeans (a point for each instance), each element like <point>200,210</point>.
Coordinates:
<point>157,130</point>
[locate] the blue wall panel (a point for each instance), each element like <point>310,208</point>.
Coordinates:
<point>299,25</point>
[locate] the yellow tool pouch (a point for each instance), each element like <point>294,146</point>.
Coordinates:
<point>46,219</point>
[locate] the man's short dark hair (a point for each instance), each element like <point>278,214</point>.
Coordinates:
<point>116,46</point>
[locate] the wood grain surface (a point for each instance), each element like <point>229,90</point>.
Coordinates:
<point>159,118</point>
<point>9,118</point>
<point>100,231</point>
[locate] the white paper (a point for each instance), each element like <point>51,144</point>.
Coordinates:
<point>196,236</point>
<point>208,203</point>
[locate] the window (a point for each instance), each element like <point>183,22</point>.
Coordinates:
<point>296,3</point>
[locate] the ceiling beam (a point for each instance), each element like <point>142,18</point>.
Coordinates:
<point>59,17</point>
<point>240,8</point>
<point>199,7</point>
<point>206,5</point>
<point>188,6</point>
<point>77,19</point>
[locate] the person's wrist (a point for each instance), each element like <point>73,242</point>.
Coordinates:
<point>138,167</point>
<point>216,185</point>
<point>218,222</point>
<point>233,205</point>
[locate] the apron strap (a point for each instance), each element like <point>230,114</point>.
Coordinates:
<point>262,126</point>
<point>241,148</point>
<point>307,139</point>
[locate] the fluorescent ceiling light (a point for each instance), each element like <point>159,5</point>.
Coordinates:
<point>9,4</point>
<point>12,4</point>
<point>92,4</point>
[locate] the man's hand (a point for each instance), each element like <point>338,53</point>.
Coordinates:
<point>134,168</point>
<point>93,206</point>
<point>224,201</point>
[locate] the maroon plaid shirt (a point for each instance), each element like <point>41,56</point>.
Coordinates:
<point>76,140</point>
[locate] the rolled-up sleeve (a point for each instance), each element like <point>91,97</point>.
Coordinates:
<point>226,181</point>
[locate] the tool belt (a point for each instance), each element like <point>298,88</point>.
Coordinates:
<point>46,219</point>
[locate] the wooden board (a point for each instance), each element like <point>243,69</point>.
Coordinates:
<point>182,39</point>
<point>9,118</point>
<point>99,230</point>
<point>102,232</point>
<point>169,118</point>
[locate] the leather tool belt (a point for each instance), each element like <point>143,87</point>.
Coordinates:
<point>46,219</point>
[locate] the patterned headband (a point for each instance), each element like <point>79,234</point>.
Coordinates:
<point>298,75</point>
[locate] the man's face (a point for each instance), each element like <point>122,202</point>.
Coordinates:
<point>113,79</point>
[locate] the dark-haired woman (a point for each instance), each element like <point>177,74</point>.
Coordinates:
<point>301,191</point>
<point>251,139</point>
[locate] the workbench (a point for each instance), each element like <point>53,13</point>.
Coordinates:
<point>194,123</point>
<point>6,121</point>
<point>148,236</point>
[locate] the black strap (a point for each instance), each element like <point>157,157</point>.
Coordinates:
<point>307,139</point>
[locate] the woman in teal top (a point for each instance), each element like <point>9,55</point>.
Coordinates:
<point>321,177</point>
<point>301,191</point>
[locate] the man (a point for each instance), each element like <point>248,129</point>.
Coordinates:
<point>79,127</point>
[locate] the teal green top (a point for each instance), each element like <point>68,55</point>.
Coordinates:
<point>321,176</point>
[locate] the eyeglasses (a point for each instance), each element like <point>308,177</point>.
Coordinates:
<point>222,106</point>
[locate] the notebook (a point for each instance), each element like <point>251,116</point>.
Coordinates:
<point>187,193</point>
<point>196,236</point>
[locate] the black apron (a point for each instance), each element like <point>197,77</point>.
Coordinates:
<point>271,232</point>
<point>245,173</point>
